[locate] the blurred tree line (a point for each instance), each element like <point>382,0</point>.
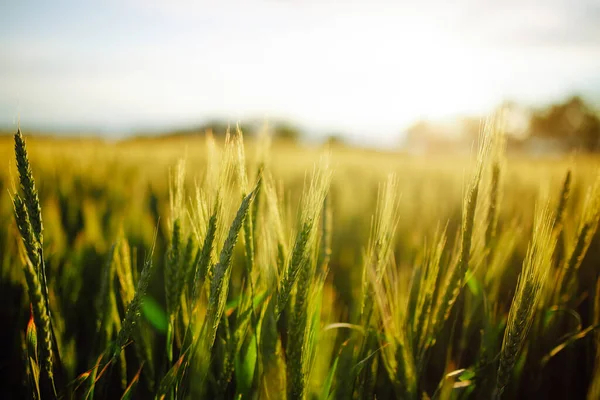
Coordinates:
<point>280,130</point>
<point>571,125</point>
<point>574,123</point>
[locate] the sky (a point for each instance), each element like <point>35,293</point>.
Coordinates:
<point>367,69</point>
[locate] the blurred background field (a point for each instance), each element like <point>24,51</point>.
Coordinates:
<point>91,189</point>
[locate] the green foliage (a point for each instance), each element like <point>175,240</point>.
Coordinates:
<point>572,122</point>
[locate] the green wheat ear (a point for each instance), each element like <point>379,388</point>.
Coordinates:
<point>585,234</point>
<point>313,199</point>
<point>132,315</point>
<point>562,202</point>
<point>172,264</point>
<point>34,210</point>
<point>26,230</point>
<point>30,193</point>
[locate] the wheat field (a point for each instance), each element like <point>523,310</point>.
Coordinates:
<point>235,268</point>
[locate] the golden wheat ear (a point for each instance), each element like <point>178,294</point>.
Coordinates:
<point>529,292</point>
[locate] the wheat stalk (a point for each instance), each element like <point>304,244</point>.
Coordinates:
<point>28,217</point>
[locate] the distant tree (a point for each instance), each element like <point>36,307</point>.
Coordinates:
<point>285,131</point>
<point>573,123</point>
<point>334,139</point>
<point>217,127</point>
